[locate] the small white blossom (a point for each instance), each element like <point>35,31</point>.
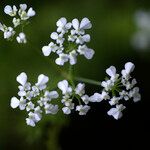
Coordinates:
<point>48,49</point>
<point>51,109</point>
<point>80,89</point>
<point>64,87</point>
<point>114,100</point>
<point>58,37</point>
<point>8,32</point>
<point>24,15</point>
<point>42,81</point>
<point>16,22</point>
<point>80,27</point>
<point>87,52</point>
<point>86,99</point>
<point>135,94</point>
<point>116,112</point>
<point>82,109</point>
<point>63,26</point>
<point>111,71</point>
<point>10,10</point>
<point>129,67</point>
<point>62,59</point>
<point>95,98</point>
<point>21,38</point>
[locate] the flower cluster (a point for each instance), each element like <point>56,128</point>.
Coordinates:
<point>70,41</point>
<point>119,88</point>
<point>34,99</point>
<point>20,17</point>
<point>70,94</point>
<point>141,38</point>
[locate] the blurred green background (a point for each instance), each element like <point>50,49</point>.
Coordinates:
<point>113,27</point>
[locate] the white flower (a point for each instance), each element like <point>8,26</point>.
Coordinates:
<point>31,12</point>
<point>85,99</point>
<point>16,22</point>
<point>10,10</point>
<point>124,95</point>
<point>31,119</point>
<point>51,95</point>
<point>105,95</point>
<point>82,39</point>
<point>116,112</point>
<point>51,109</point>
<point>66,110</point>
<point>82,109</point>
<point>111,71</point>
<point>30,106</point>
<point>42,81</point>
<point>22,78</point>
<point>80,89</point>
<point>95,98</point>
<point>58,37</point>
<point>62,25</point>
<point>37,113</point>
<point>87,52</point>
<point>64,87</point>
<point>23,7</point>
<point>114,100</point>
<point>135,94</point>
<point>48,49</point>
<point>108,85</point>
<point>129,67</point>
<point>18,103</point>
<point>62,59</point>
<point>80,27</point>
<point>8,33</point>
<point>25,15</point>
<point>21,38</point>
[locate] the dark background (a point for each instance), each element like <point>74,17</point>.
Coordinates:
<point>113,27</point>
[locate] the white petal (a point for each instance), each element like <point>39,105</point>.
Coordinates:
<point>23,7</point>
<point>42,80</point>
<point>85,24</point>
<point>14,102</point>
<point>31,12</point>
<point>59,61</point>
<point>61,22</point>
<point>111,71</point>
<point>63,86</point>
<point>54,35</point>
<point>129,67</point>
<point>46,50</point>
<point>22,78</point>
<point>112,111</point>
<point>8,9</point>
<point>66,110</point>
<point>89,53</point>
<point>86,38</point>
<point>75,23</point>
<point>95,98</point>
<point>53,94</point>
<point>30,122</point>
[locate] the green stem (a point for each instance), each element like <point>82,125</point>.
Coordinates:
<point>90,81</point>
